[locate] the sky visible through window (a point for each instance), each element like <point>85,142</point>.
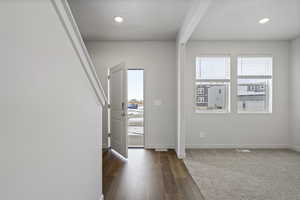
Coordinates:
<point>135,84</point>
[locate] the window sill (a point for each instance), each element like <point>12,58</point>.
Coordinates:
<point>268,113</point>
<point>211,112</point>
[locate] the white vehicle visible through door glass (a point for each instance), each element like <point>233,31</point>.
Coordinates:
<point>135,108</point>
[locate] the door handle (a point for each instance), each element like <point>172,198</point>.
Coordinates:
<point>123,106</point>
<point>123,110</point>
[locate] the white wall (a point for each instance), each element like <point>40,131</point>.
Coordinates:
<point>295,94</point>
<point>50,121</point>
<point>159,61</point>
<point>239,130</point>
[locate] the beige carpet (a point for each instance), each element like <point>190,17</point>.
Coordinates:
<point>258,175</point>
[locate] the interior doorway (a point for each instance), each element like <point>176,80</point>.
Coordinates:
<point>135,108</point>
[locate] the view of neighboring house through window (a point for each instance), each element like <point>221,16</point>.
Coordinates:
<point>255,84</point>
<point>212,85</point>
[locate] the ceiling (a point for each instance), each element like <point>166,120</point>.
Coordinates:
<point>238,20</point>
<point>143,19</point>
<point>162,19</point>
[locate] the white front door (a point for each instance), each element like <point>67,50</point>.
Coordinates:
<point>118,109</point>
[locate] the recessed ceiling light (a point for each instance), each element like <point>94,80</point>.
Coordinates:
<point>264,20</point>
<point>118,19</point>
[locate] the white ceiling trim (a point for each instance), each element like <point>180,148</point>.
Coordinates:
<point>193,17</point>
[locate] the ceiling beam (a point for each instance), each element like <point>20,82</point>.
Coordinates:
<point>194,15</point>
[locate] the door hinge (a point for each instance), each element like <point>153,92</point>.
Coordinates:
<point>108,106</point>
<point>109,135</point>
<point>108,77</point>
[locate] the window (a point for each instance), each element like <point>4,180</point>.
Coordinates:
<point>255,84</point>
<point>212,84</point>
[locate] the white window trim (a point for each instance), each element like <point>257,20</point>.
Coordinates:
<point>255,77</point>
<point>228,92</point>
<point>213,80</point>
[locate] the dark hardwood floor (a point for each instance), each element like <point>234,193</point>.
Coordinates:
<point>147,175</point>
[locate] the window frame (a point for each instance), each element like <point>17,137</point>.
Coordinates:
<point>213,81</point>
<point>265,77</point>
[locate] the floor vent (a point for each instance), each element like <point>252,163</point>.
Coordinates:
<point>243,150</point>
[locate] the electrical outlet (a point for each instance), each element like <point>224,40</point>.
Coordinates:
<point>202,135</point>
<point>157,102</point>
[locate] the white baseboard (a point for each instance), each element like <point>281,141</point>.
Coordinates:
<point>180,156</point>
<point>102,197</point>
<point>104,146</point>
<point>295,148</point>
<point>159,146</point>
<point>236,146</point>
